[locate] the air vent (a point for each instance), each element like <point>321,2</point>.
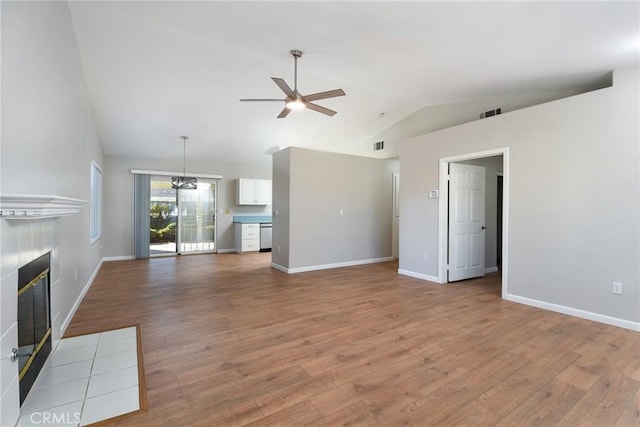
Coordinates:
<point>377,146</point>
<point>491,113</point>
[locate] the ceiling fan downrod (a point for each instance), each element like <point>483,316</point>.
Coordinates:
<point>296,54</point>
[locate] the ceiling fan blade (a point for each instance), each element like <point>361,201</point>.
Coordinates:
<point>284,113</point>
<point>284,87</point>
<point>319,109</point>
<point>262,100</point>
<point>324,95</point>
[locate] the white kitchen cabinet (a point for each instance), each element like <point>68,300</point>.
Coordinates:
<point>263,190</point>
<point>247,192</point>
<point>247,237</point>
<point>253,191</point>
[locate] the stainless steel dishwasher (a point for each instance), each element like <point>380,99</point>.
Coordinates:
<point>265,236</point>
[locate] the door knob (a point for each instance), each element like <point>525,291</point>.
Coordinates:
<point>14,355</point>
<point>483,227</point>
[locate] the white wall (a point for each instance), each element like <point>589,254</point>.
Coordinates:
<point>48,142</point>
<point>574,199</point>
<point>281,202</point>
<point>118,210</point>
<point>320,184</point>
<point>437,117</point>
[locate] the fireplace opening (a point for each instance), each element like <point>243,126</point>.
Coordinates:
<point>34,321</point>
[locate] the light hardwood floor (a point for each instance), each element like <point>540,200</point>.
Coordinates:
<point>230,341</point>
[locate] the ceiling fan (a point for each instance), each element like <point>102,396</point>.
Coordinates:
<point>295,100</point>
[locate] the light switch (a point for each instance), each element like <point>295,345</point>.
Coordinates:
<point>434,194</point>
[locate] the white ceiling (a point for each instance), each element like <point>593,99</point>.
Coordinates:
<point>158,70</point>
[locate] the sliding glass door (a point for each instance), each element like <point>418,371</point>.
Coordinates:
<point>163,213</point>
<point>197,218</point>
<point>181,221</point>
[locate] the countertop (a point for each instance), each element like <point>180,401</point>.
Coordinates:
<point>251,219</point>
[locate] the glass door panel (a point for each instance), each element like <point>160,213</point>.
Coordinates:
<point>197,218</point>
<point>164,216</point>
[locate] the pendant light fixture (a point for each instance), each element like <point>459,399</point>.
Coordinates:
<point>184,182</point>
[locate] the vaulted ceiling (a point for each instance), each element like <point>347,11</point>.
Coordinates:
<point>158,70</point>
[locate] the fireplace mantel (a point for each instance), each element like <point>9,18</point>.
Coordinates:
<point>36,206</point>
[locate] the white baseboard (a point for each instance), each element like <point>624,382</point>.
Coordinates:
<point>279,267</point>
<point>614,321</point>
<point>329,266</point>
<point>117,258</point>
<point>129,257</point>
<point>76,304</point>
<point>490,270</point>
<point>418,275</point>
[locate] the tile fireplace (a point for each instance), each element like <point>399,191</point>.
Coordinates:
<point>30,229</point>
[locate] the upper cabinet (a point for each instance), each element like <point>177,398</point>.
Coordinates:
<point>253,191</point>
<point>263,187</point>
<point>246,192</point>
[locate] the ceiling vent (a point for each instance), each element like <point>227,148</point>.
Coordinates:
<point>377,146</point>
<point>491,113</point>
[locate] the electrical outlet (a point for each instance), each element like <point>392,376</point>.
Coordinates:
<point>617,288</point>
<point>278,249</point>
<point>76,274</point>
<point>341,212</point>
<point>424,256</point>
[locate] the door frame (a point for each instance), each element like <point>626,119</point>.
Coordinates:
<point>443,211</point>
<point>395,208</point>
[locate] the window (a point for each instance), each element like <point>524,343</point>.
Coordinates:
<point>95,219</point>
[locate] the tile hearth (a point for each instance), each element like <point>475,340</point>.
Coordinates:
<point>86,379</point>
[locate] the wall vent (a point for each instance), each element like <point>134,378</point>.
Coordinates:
<point>377,146</point>
<point>491,113</point>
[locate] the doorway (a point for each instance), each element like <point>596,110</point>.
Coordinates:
<point>181,221</point>
<point>443,214</point>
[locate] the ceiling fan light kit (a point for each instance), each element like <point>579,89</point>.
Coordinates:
<point>294,99</point>
<point>296,105</point>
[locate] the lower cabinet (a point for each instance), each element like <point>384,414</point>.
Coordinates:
<point>247,237</point>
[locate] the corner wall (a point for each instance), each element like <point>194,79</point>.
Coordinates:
<point>573,193</point>
<point>281,208</point>
<point>340,209</point>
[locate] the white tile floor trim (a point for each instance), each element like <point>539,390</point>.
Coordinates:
<point>85,379</point>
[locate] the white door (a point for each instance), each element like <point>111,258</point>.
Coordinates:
<point>466,221</point>
<point>395,250</point>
